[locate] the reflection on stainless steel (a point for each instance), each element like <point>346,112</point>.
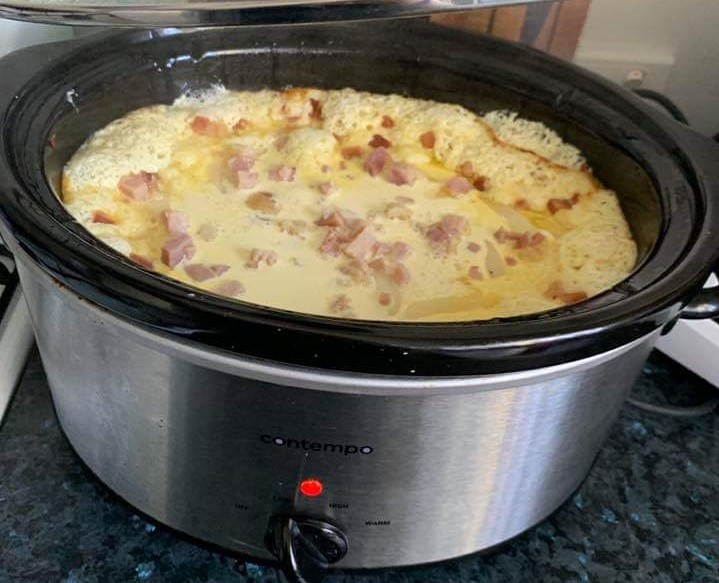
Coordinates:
<point>413,472</point>
<point>189,13</point>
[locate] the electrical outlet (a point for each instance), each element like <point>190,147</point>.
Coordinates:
<point>631,68</point>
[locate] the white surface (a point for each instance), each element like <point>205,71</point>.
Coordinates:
<point>688,30</point>
<point>695,344</point>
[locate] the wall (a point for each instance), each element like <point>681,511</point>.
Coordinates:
<point>688,30</point>
<point>15,35</point>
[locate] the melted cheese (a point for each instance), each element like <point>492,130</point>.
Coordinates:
<point>586,248</point>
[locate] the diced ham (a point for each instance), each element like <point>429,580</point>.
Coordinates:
<point>384,299</point>
<point>258,256</point>
<point>520,240</point>
<point>473,247</point>
<point>357,270</point>
<point>219,269</point>
<point>243,159</point>
<point>176,249</point>
<point>521,205</point>
<point>326,188</point>
<point>400,274</point>
<point>481,183</point>
<point>361,244</point>
<point>394,269</point>
<point>346,234</point>
<point>376,161</point>
<point>387,122</point>
<point>524,241</point>
<point>437,235</point>
<point>199,272</point>
<point>201,124</point>
<point>445,234</point>
<point>330,218</point>
<point>350,152</point>
<point>454,224</point>
<point>381,248</point>
<point>331,244</point>
<point>282,173</point>
<point>427,139</point>
<point>341,305</point>
<point>379,141</point>
<point>502,235</point>
<point>475,272</point>
<point>466,169</point>
<point>241,125</point>
<point>554,205</point>
<point>379,265</point>
<point>316,111</point>
<point>399,250</point>
<point>246,179</point>
<point>103,217</point>
<point>397,211</point>
<point>145,262</point>
<point>207,232</point>
<point>176,222</point>
<point>402,174</point>
<point>140,186</point>
<point>556,291</point>
<point>511,261</point>
<point>230,287</point>
<point>204,126</point>
<point>264,202</point>
<point>458,185</point>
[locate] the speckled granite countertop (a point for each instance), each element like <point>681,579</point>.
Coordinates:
<point>649,511</point>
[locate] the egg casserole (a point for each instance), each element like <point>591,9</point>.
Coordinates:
<point>352,204</point>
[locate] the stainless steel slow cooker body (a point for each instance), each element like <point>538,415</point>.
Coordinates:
<point>430,441</point>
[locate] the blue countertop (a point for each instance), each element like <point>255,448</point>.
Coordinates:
<point>649,510</point>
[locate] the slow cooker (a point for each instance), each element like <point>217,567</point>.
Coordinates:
<point>325,442</point>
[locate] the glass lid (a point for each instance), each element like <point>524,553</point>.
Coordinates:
<point>189,13</point>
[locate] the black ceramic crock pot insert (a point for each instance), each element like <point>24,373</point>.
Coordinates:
<point>662,172</point>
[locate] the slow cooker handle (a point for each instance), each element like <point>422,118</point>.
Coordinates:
<point>705,304</point>
<point>306,547</point>
<point>702,153</point>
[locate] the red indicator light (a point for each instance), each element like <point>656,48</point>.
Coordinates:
<point>311,488</point>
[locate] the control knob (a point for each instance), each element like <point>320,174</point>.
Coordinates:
<point>305,546</point>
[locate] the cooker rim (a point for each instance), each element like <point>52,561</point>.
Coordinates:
<point>469,347</point>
